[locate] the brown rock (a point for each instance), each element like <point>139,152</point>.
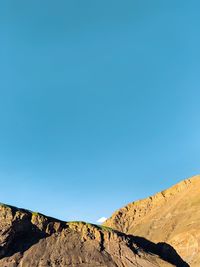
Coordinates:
<point>171,216</point>
<point>33,240</point>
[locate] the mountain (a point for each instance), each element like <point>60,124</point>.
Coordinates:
<point>171,216</point>
<point>29,239</point>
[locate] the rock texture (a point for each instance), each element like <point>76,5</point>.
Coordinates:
<point>33,240</point>
<point>171,216</point>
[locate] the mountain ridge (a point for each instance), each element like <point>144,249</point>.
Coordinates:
<point>168,216</point>
<point>31,239</point>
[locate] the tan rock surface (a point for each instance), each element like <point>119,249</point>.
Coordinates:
<point>171,216</point>
<point>33,240</point>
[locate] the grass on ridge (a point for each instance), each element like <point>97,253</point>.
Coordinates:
<point>100,227</point>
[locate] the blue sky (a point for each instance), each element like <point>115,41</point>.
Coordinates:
<point>99,102</point>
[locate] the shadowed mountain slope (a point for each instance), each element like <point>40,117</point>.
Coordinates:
<point>171,216</point>
<point>33,240</point>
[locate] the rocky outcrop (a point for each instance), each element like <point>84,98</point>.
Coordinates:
<point>171,216</point>
<point>33,240</point>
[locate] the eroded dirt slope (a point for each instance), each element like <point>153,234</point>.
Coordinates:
<point>171,216</point>
<point>33,240</point>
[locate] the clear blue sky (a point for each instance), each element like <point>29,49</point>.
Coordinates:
<point>99,102</point>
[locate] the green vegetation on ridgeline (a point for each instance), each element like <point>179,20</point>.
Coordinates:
<point>100,227</point>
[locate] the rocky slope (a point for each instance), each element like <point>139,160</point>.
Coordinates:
<point>171,216</point>
<point>33,240</point>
